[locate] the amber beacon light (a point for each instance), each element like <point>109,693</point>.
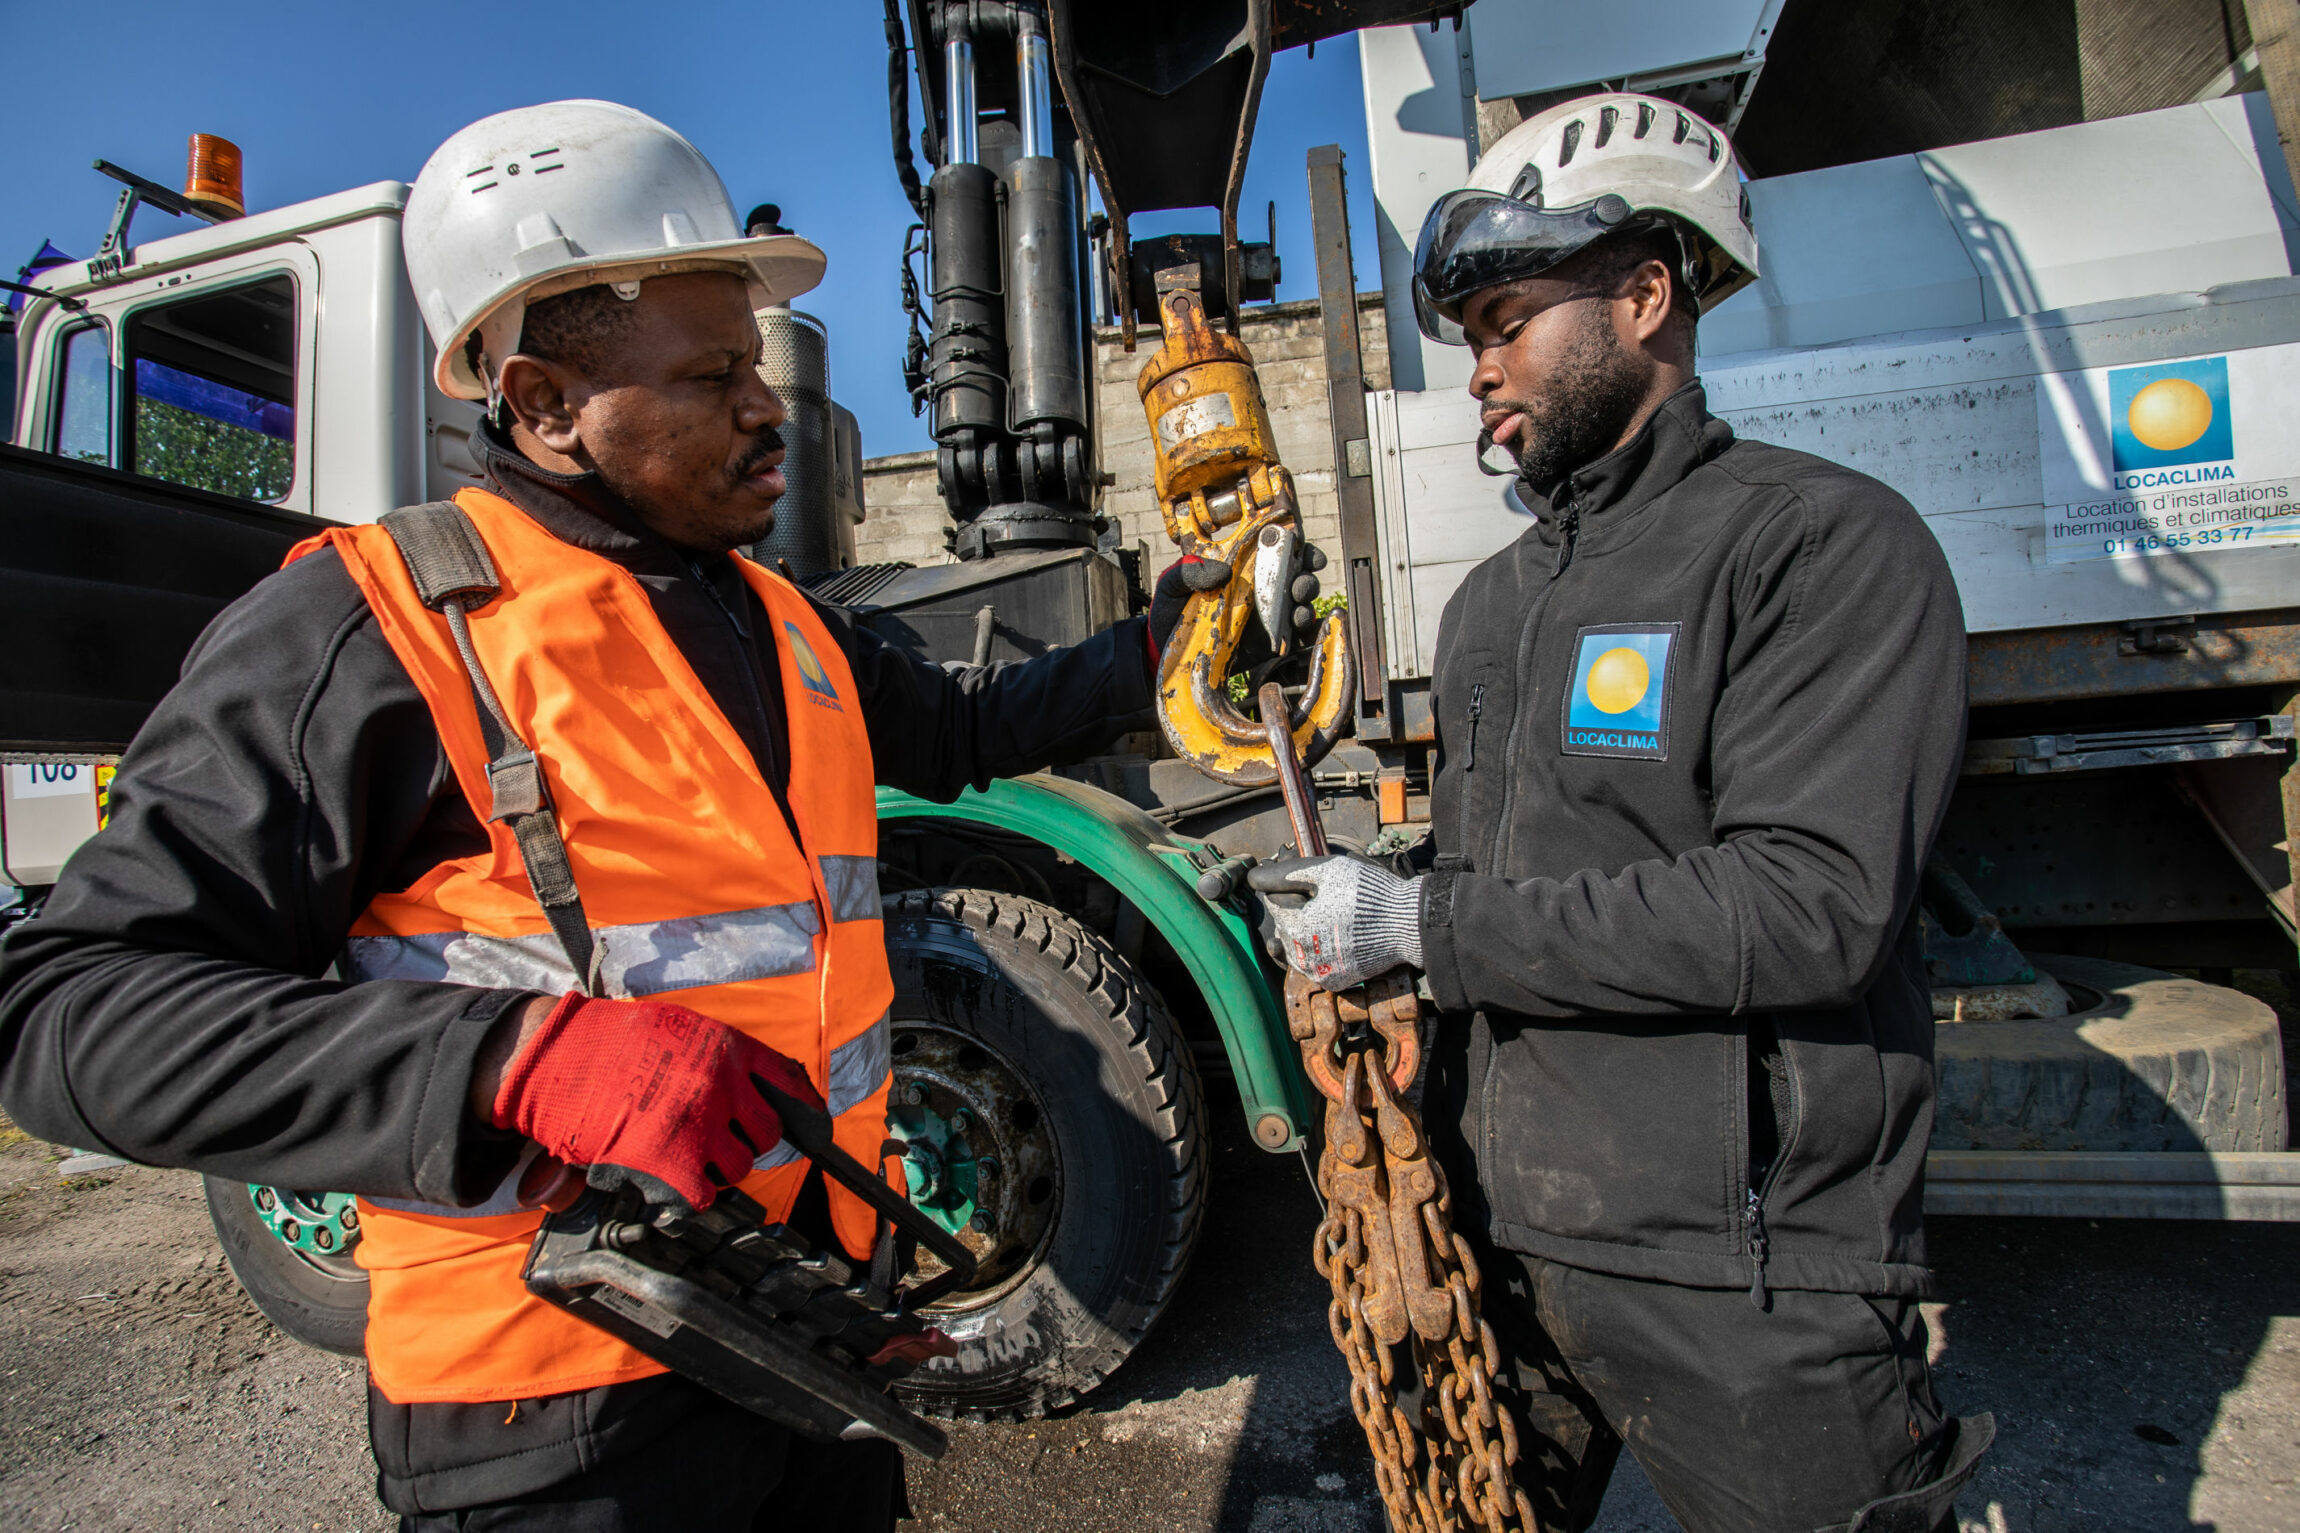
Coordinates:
<point>212,176</point>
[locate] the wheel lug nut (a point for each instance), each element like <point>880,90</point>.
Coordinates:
<point>917,1093</point>
<point>982,1223</point>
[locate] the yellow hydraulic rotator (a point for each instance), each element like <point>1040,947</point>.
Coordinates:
<point>1227,498</point>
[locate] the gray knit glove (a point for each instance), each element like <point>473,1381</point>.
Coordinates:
<point>1341,920</point>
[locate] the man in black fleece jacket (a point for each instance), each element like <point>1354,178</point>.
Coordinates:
<point>1697,729</point>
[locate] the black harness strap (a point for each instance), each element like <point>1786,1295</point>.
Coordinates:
<point>453,575</point>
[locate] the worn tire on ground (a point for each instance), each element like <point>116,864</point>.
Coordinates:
<point>2153,1062</point>
<point>1094,1043</point>
<point>318,1307</point>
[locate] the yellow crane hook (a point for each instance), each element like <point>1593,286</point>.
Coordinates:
<point>1226,497</point>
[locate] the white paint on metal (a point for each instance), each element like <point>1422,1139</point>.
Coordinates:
<point>1974,261</point>
<point>1525,46</point>
<point>1420,149</point>
<point>40,826</point>
<point>1437,517</point>
<point>2173,201</point>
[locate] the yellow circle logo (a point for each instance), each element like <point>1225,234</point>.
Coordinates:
<point>2169,414</point>
<point>1618,680</point>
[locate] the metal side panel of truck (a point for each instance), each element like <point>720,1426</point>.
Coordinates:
<point>1929,320</point>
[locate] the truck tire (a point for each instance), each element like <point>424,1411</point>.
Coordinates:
<point>1096,1113</point>
<point>319,1300</point>
<point>2144,1061</point>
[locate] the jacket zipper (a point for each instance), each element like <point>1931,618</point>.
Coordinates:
<point>1527,634</point>
<point>1569,534</point>
<point>1761,1191</point>
<point>1753,1217</point>
<point>1476,711</point>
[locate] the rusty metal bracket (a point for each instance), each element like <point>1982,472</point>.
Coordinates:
<point>2156,636</point>
<point>2093,750</point>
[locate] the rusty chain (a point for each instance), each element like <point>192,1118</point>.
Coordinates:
<point>1405,1287</point>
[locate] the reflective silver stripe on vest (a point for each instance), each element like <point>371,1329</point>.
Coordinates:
<point>860,1065</point>
<point>781,1155</point>
<point>644,958</point>
<point>853,886</point>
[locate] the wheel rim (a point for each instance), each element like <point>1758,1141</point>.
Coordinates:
<point>981,1160</point>
<point>320,1227</point>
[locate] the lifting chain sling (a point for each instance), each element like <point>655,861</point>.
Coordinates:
<point>1404,1307</point>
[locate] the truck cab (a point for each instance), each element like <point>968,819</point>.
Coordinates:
<point>199,361</point>
<point>202,360</point>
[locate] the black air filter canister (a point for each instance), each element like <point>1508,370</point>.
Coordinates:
<point>794,358</point>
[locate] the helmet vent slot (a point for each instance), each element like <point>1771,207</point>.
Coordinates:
<point>1568,144</point>
<point>1644,120</point>
<point>1605,121</point>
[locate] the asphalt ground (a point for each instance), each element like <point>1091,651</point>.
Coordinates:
<point>2143,1375</point>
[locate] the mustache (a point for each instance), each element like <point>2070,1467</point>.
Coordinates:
<point>768,442</point>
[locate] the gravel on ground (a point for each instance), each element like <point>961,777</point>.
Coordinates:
<point>2143,1375</point>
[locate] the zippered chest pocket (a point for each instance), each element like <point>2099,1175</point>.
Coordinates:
<point>1474,712</point>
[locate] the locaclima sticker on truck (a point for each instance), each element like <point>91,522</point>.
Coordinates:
<point>2169,458</point>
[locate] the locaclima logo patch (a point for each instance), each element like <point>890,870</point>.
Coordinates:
<point>820,692</point>
<point>1618,704</point>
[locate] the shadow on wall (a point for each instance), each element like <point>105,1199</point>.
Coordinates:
<point>2170,576</point>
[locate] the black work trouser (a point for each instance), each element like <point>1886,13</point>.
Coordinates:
<point>1815,1412</point>
<point>721,1470</point>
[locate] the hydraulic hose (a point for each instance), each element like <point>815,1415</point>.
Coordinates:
<point>898,103</point>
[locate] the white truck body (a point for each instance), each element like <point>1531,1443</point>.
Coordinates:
<point>1946,322</point>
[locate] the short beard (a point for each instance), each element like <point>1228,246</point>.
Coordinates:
<point>722,539</point>
<point>1586,409</point>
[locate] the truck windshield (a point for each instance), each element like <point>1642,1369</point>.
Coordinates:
<point>212,390</point>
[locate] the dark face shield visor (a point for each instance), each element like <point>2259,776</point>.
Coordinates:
<point>1474,240</point>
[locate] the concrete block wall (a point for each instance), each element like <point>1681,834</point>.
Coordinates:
<point>904,515</point>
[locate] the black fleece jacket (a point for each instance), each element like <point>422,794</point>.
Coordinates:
<point>173,1001</point>
<point>1698,727</point>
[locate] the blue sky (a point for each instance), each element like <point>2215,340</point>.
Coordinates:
<point>788,101</point>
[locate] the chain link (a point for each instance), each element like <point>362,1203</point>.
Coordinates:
<point>1404,1312</point>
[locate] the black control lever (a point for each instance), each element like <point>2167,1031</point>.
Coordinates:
<point>807,1128</point>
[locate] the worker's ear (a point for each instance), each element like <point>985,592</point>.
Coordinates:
<point>537,393</point>
<point>1644,301</point>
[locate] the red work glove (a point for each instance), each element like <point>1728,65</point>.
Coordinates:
<point>650,1087</point>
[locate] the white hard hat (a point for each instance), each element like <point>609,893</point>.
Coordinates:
<point>1583,169</point>
<point>546,199</point>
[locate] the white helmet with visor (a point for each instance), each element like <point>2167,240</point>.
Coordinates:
<point>1584,169</point>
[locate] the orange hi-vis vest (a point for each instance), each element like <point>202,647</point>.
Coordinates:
<point>693,889</point>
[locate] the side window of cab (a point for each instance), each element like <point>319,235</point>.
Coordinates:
<point>81,420</point>
<point>211,390</point>
<point>206,396</point>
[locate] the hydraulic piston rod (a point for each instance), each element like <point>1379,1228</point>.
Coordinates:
<point>958,94</point>
<point>1034,67</point>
